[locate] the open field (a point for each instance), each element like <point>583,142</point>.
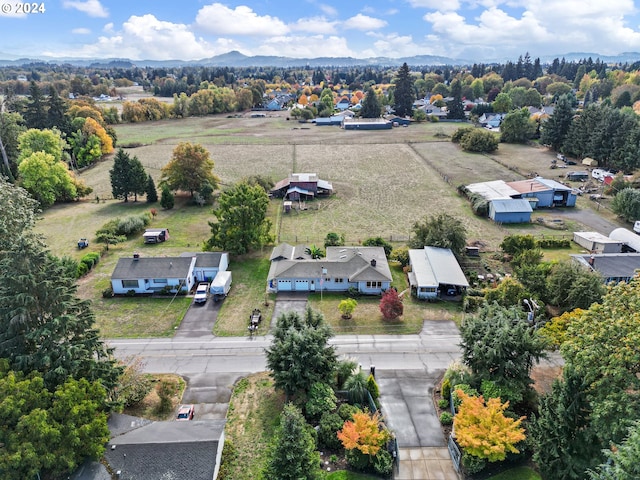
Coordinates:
<point>384,181</point>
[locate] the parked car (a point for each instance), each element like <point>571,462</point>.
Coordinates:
<point>451,292</point>
<point>83,243</point>
<point>202,293</point>
<point>185,412</point>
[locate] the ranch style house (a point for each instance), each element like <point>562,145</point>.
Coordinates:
<point>363,268</point>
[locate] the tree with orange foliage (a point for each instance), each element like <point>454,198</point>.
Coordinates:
<point>363,433</point>
<point>91,127</point>
<point>483,430</point>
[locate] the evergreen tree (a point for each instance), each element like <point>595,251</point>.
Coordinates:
<point>293,454</point>
<point>455,109</point>
<point>371,105</point>
<point>128,176</point>
<point>300,355</point>
<point>564,443</point>
<point>167,200</point>
<point>403,94</point>
<point>556,128</point>
<point>622,461</point>
<point>35,113</point>
<point>56,112</point>
<point>152,193</point>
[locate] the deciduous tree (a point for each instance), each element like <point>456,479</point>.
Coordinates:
<point>347,306</point>
<point>47,141</point>
<point>241,222</point>
<point>189,167</point>
<point>391,304</point>
<point>483,430</point>
<point>363,433</point>
<point>47,179</point>
<point>517,127</point>
<point>441,230</point>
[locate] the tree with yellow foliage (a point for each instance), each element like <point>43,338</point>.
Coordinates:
<point>91,127</point>
<point>363,433</point>
<point>483,430</point>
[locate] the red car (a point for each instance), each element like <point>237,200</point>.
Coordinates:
<point>185,412</point>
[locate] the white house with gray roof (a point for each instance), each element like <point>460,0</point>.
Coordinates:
<point>363,268</point>
<point>147,275</point>
<point>434,270</point>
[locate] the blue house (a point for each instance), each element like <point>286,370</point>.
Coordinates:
<point>545,192</point>
<point>513,210</point>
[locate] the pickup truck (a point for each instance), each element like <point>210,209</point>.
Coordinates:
<point>202,293</point>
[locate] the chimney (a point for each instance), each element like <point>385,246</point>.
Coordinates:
<point>592,260</point>
<point>136,255</point>
<point>373,262</point>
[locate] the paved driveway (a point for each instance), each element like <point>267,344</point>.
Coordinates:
<point>287,302</point>
<point>199,319</point>
<point>210,393</point>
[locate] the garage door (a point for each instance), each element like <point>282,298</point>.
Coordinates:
<point>284,285</point>
<point>302,286</point>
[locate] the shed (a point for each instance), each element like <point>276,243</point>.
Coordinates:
<point>155,235</point>
<point>589,162</point>
<point>433,270</point>
<point>517,210</point>
<point>578,176</point>
<point>596,242</point>
<point>626,236</point>
<point>366,124</point>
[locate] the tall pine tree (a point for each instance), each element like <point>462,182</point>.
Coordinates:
<point>152,193</point>
<point>371,105</point>
<point>403,93</point>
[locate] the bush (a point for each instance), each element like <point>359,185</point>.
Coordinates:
<point>346,411</point>
<point>446,418</point>
<point>383,463</point>
<point>329,425</point>
<point>372,386</point>
<point>460,133</point>
<point>82,269</point>
<point>358,460</point>
<point>107,293</point>
<point>472,464</point>
<point>446,390</point>
<point>320,399</point>
<point>90,259</point>
<point>443,403</point>
<point>131,293</point>
<point>480,141</point>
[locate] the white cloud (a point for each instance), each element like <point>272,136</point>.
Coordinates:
<point>81,31</point>
<point>93,8</point>
<point>394,45</point>
<point>541,27</point>
<point>364,22</point>
<point>146,37</point>
<point>218,19</point>
<point>305,46</point>
<point>449,5</point>
<point>328,10</point>
<point>318,25</point>
<point>108,28</point>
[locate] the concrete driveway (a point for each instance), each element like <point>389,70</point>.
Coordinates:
<point>288,302</point>
<point>210,393</point>
<point>199,319</point>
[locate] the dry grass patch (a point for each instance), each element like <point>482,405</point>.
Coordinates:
<point>253,415</point>
<point>148,407</point>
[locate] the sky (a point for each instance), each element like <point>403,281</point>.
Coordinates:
<point>476,30</point>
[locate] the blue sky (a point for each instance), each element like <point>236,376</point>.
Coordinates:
<point>477,30</point>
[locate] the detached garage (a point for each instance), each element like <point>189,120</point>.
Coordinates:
<point>517,210</point>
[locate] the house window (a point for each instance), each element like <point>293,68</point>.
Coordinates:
<point>427,289</point>
<point>338,280</point>
<point>374,284</point>
<point>162,281</point>
<point>129,283</point>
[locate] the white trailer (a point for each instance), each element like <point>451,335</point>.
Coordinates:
<point>221,285</point>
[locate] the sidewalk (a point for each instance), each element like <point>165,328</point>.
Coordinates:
<point>425,463</point>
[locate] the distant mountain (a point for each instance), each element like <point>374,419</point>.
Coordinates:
<point>237,59</point>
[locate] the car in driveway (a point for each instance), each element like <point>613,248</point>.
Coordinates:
<point>202,293</point>
<point>185,412</point>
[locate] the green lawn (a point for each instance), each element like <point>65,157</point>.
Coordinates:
<point>248,291</point>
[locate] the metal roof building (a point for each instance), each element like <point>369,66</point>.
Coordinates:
<point>434,268</point>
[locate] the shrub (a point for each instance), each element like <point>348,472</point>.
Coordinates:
<point>391,304</point>
<point>443,403</point>
<point>383,463</point>
<point>107,293</point>
<point>472,464</point>
<point>134,383</point>
<point>372,386</point>
<point>82,269</point>
<point>90,259</point>
<point>131,293</point>
<point>479,140</point>
<point>446,389</point>
<point>320,399</point>
<point>344,370</point>
<point>460,133</point>
<point>468,389</point>
<point>329,425</point>
<point>346,411</point>
<point>446,418</point>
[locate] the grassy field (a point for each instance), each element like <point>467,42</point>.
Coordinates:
<point>385,181</point>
